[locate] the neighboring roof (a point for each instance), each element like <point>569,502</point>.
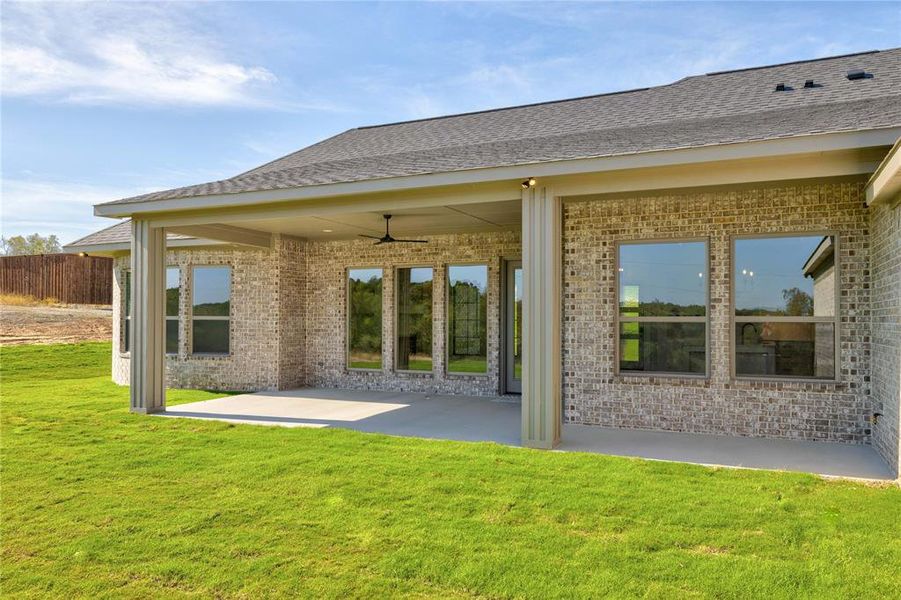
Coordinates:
<point>114,235</point>
<point>823,252</point>
<point>717,108</point>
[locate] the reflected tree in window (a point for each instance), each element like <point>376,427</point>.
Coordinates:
<point>785,307</point>
<point>211,310</point>
<point>413,348</point>
<point>467,350</point>
<point>663,307</point>
<point>365,318</point>
<point>173,296</point>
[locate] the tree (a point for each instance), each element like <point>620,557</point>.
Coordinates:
<point>797,302</point>
<point>18,245</point>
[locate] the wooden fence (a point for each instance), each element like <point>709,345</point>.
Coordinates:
<point>69,278</point>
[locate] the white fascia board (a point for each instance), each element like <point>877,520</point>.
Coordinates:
<point>824,142</point>
<point>228,234</point>
<point>116,248</point>
<point>885,184</point>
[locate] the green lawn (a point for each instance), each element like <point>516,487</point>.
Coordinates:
<point>467,365</point>
<point>366,364</point>
<point>97,502</point>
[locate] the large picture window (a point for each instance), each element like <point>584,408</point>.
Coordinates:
<point>211,310</point>
<point>364,308</point>
<point>467,316</point>
<point>785,307</point>
<point>413,349</point>
<point>173,295</point>
<point>662,303</point>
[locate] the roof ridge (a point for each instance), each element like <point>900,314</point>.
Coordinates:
<point>760,114</point>
<point>629,91</point>
<point>792,62</point>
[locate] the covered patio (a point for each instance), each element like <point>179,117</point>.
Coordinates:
<point>498,419</point>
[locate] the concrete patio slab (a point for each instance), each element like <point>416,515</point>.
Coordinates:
<point>466,418</point>
<point>821,458</point>
<point>462,418</point>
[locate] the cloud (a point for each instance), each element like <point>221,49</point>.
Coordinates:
<point>127,54</point>
<point>48,207</point>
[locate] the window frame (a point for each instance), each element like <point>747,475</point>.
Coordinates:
<point>177,316</point>
<point>125,321</point>
<point>618,319</point>
<point>835,319</point>
<point>396,308</point>
<point>347,298</point>
<point>447,323</point>
<point>194,317</point>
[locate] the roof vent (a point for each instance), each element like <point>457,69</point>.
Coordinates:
<point>809,84</point>
<point>781,87</point>
<point>855,74</point>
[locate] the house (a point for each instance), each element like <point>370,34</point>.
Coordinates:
<point>717,255</point>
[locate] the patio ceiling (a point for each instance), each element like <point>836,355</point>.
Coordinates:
<point>422,221</point>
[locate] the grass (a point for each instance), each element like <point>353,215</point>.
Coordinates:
<point>100,503</point>
<point>467,365</point>
<point>365,364</point>
<point>25,300</point>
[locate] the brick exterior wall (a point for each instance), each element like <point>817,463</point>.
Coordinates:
<point>252,363</point>
<point>595,394</point>
<point>885,242</point>
<point>292,290</point>
<point>289,315</point>
<point>327,265</point>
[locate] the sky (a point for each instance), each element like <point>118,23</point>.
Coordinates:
<point>100,101</point>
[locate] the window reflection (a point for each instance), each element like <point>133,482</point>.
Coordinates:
<point>364,318</point>
<point>785,297</point>
<point>467,350</point>
<point>413,348</point>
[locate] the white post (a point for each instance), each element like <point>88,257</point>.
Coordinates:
<point>148,282</point>
<point>542,410</point>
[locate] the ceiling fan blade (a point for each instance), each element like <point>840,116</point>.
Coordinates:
<point>374,237</point>
<point>381,241</point>
<point>413,241</point>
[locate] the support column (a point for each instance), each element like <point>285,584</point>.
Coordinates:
<point>542,249</point>
<point>148,284</point>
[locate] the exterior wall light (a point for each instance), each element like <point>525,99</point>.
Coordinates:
<point>530,182</point>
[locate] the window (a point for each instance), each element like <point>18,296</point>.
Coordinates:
<point>173,294</point>
<point>662,300</point>
<point>785,307</point>
<point>126,321</point>
<point>467,317</point>
<point>413,351</point>
<point>211,310</point>
<point>364,316</point>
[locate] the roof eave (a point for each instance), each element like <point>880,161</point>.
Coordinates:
<point>885,184</point>
<point>116,248</point>
<point>820,142</point>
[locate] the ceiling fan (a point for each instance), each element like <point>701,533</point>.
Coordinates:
<point>387,239</point>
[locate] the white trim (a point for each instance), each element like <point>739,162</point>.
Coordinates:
<point>125,247</point>
<point>227,234</point>
<point>719,152</point>
<point>885,183</point>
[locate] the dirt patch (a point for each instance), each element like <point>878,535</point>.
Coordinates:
<point>55,324</point>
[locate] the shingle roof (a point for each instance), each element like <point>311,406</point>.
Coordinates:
<point>717,108</point>
<point>116,234</point>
